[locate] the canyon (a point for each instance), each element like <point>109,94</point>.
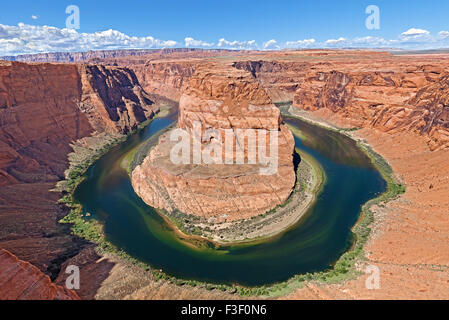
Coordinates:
<point>43,109</point>
<point>398,102</point>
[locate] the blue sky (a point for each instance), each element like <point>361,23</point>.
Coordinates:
<point>249,24</point>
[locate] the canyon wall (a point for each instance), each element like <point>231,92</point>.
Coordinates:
<point>388,101</point>
<point>43,109</point>
<point>113,99</point>
<point>165,78</point>
<point>368,89</point>
<point>280,79</point>
<point>19,280</point>
<point>371,88</point>
<point>223,99</point>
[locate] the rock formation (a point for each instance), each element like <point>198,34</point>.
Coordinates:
<point>166,78</point>
<point>43,109</point>
<point>400,101</point>
<point>431,114</point>
<point>19,280</point>
<point>220,100</point>
<point>387,101</point>
<point>113,99</point>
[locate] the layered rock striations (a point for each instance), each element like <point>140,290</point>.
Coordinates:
<point>19,280</point>
<point>222,100</point>
<point>100,56</point>
<point>113,99</point>
<point>431,114</point>
<point>166,78</point>
<point>387,101</point>
<point>44,108</point>
<point>369,88</point>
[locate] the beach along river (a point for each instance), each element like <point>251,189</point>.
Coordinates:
<point>312,244</point>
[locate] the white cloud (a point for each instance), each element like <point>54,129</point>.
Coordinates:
<point>415,35</point>
<point>306,43</point>
<point>23,39</point>
<point>27,39</point>
<point>368,41</point>
<point>415,32</point>
<point>336,42</point>
<point>190,42</point>
<point>240,45</point>
<point>444,34</point>
<point>270,44</point>
<point>413,38</point>
<point>34,17</point>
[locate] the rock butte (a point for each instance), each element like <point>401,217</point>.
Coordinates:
<point>220,101</point>
<point>399,101</point>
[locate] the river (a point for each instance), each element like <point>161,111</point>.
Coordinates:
<point>312,244</point>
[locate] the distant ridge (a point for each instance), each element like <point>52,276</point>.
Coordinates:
<point>77,57</point>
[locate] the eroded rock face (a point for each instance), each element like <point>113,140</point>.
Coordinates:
<point>19,280</point>
<point>226,100</point>
<point>388,101</point>
<point>113,99</point>
<point>432,114</point>
<point>39,117</point>
<point>43,109</point>
<point>167,78</point>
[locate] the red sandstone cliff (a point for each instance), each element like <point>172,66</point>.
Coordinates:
<point>43,109</point>
<point>112,98</point>
<point>387,101</point>
<point>19,280</point>
<point>166,78</point>
<point>431,116</point>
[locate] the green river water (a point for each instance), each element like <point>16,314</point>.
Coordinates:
<point>313,244</point>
